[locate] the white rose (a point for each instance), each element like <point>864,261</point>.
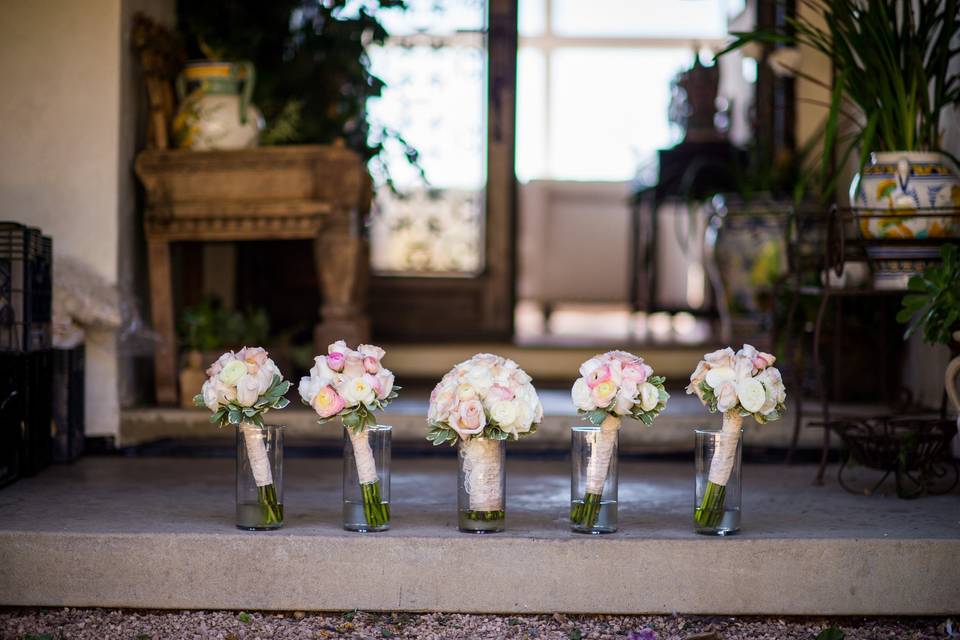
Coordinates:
<point>358,391</point>
<point>504,413</point>
<point>751,394</point>
<point>386,382</point>
<point>308,388</point>
<point>232,372</point>
<point>624,403</point>
<point>322,372</point>
<point>581,396</point>
<point>265,376</point>
<point>649,397</point>
<point>480,379</point>
<point>248,390</point>
<point>209,392</point>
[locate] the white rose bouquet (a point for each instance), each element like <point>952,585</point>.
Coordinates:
<point>352,385</point>
<point>479,402</point>
<point>240,388</point>
<point>738,384</point>
<point>612,386</point>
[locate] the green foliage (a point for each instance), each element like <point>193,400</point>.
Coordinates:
<point>831,633</point>
<point>312,65</point>
<point>441,432</point>
<point>576,634</point>
<point>708,396</point>
<point>932,301</point>
<point>597,416</point>
<point>244,617</point>
<point>209,327</point>
<point>361,417</point>
<point>234,414</point>
<point>891,61</point>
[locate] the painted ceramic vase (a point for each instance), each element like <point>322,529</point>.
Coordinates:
<point>905,182</point>
<point>215,110</point>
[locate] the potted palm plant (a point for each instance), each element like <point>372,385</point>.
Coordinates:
<point>892,82</point>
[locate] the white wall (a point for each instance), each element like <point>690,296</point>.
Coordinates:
<point>66,147</point>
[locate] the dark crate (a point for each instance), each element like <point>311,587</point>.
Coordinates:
<point>13,423</point>
<point>68,426</point>
<point>26,288</point>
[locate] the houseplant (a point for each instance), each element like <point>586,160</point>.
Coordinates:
<point>893,99</point>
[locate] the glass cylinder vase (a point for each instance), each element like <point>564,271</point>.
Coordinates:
<point>481,486</point>
<point>259,477</point>
<point>593,480</point>
<point>716,508</point>
<point>366,479</point>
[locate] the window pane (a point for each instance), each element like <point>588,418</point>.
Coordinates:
<point>435,99</point>
<point>436,17</point>
<point>608,110</point>
<point>651,18</point>
<point>531,17</point>
<point>531,153</point>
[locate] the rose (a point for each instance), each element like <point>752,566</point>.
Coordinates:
<point>248,390</point>
<point>649,397</point>
<point>499,392</point>
<point>264,375</point>
<point>715,378</point>
<point>751,394</point>
<point>468,419</point>
<point>334,361</point>
<point>726,396</point>
<point>719,358</point>
<point>442,400</point>
<point>504,413</point>
<point>309,388</point>
<point>581,396</point>
<point>232,372</point>
<point>322,370</point>
<point>353,365</point>
<point>327,402</point>
<point>253,357</point>
<point>480,378</point>
<point>374,383</point>
<point>209,393</point>
<point>221,362</point>
<point>386,379</point>
<point>466,392</point>
<point>637,372</point>
<point>587,367</point>
<point>371,355</point>
<point>603,393</point>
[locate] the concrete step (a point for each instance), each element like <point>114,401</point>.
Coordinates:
<point>158,533</point>
<point>671,431</point>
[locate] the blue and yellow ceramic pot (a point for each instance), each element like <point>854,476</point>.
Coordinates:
<point>907,182</point>
<point>215,110</point>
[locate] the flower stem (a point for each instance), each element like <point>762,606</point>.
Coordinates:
<point>486,516</point>
<point>586,512</point>
<point>272,509</point>
<point>710,512</point>
<point>375,510</point>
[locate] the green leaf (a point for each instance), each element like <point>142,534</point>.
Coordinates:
<point>234,416</point>
<point>831,633</point>
<point>244,617</point>
<point>576,634</point>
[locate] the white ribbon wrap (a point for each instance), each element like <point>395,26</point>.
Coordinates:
<point>599,463</point>
<point>726,450</point>
<point>253,437</point>
<point>481,469</point>
<point>363,456</point>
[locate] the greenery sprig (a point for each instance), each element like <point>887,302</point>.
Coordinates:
<point>932,302</point>
<point>441,432</point>
<point>362,416</point>
<point>233,413</point>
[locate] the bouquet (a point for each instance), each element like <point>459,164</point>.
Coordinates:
<point>612,386</point>
<point>352,385</point>
<point>738,384</point>
<point>479,402</point>
<point>240,388</point>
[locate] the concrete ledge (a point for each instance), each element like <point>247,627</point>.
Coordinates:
<point>158,533</point>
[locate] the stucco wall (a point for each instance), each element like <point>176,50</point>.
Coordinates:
<point>67,138</point>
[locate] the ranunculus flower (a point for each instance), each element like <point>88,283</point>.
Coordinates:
<point>581,396</point>
<point>328,402</point>
<point>356,391</point>
<point>598,376</point>
<point>587,367</point>
<point>649,397</point>
<point>504,413</point>
<point>751,394</point>
<point>637,372</point>
<point>717,377</point>
<point>232,372</point>
<point>248,390</point>
<point>603,393</point>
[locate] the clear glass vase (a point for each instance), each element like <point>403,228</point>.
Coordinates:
<point>366,479</point>
<point>716,507</point>
<point>481,486</point>
<point>259,477</point>
<point>593,480</point>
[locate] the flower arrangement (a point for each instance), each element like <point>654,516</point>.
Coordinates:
<point>353,385</point>
<point>738,384</point>
<point>478,403</point>
<point>241,387</point>
<point>612,386</point>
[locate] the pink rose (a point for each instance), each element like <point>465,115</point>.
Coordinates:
<point>254,357</point>
<point>353,365</point>
<point>469,418</point>
<point>727,396</point>
<point>371,364</point>
<point>328,402</point>
<point>637,373</point>
<point>374,382</point>
<point>763,360</point>
<point>336,361</point>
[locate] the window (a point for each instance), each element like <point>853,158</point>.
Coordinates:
<point>593,83</point>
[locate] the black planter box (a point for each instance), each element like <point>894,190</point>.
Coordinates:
<point>26,288</point>
<point>68,407</point>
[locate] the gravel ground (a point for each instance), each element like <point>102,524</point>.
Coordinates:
<point>108,624</point>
